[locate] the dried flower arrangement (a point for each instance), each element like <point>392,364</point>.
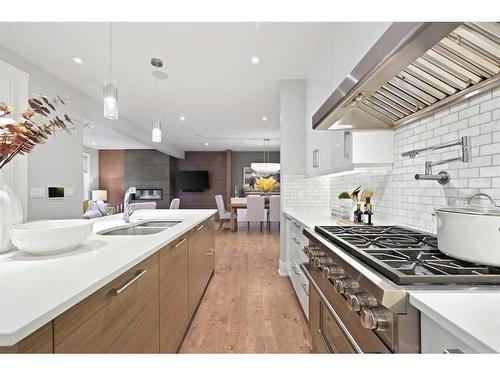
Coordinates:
<point>37,123</point>
<point>265,184</point>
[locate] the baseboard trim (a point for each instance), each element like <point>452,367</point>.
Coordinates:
<point>283,268</point>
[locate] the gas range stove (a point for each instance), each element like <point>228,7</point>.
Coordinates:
<point>406,256</point>
<point>360,278</point>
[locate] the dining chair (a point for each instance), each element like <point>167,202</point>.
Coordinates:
<point>274,211</point>
<point>256,210</point>
<point>223,214</point>
<point>175,204</point>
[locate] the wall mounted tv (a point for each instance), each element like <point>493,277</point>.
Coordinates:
<point>192,180</point>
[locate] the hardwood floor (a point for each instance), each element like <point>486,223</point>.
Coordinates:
<point>248,307</point>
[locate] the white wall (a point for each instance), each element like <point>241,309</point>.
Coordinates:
<point>93,175</point>
<point>292,130</point>
<point>59,161</point>
<point>400,198</point>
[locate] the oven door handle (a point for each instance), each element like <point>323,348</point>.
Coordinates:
<point>332,312</point>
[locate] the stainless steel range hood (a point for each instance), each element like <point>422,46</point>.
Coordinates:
<point>413,70</point>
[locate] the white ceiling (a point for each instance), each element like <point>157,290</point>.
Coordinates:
<point>211,80</point>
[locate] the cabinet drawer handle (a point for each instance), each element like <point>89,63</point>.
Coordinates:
<point>296,241</point>
<point>347,147</point>
<point>180,243</point>
<point>296,270</point>
<point>210,253</point>
<point>452,351</point>
<point>200,227</point>
<point>306,289</point>
<point>139,274</point>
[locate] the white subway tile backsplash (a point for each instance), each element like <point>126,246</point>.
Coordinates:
<point>480,119</point>
<point>401,199</point>
<point>490,105</point>
<point>490,171</point>
<point>468,112</point>
<point>491,149</point>
<point>490,127</point>
<point>495,115</point>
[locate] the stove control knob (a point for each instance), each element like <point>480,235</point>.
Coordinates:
<point>315,253</point>
<point>322,261</point>
<point>332,272</point>
<point>346,285</point>
<point>376,318</point>
<point>357,301</point>
<point>308,248</point>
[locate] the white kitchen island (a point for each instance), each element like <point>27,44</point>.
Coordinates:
<point>36,289</point>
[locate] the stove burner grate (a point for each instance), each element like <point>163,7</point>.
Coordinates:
<point>407,256</point>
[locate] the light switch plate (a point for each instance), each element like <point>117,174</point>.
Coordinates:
<point>69,192</point>
<point>37,192</point>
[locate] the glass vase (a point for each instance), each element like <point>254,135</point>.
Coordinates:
<point>10,213</point>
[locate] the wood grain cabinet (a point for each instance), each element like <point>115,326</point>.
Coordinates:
<point>201,261</point>
<point>121,317</point>
<point>147,309</point>
<point>38,342</point>
<point>174,317</point>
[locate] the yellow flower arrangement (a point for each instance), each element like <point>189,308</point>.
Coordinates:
<point>265,184</point>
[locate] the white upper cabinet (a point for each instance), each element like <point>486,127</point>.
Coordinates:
<point>319,87</point>
<point>333,151</point>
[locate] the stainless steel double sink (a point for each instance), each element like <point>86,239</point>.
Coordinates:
<point>141,228</point>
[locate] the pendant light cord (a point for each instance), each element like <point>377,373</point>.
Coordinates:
<point>157,106</point>
<point>110,49</point>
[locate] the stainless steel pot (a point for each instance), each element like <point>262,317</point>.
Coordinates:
<point>470,233</point>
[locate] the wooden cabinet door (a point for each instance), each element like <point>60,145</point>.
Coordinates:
<point>121,317</point>
<point>39,341</point>
<point>174,318</point>
<point>201,262</point>
<point>210,254</point>
<point>196,266</point>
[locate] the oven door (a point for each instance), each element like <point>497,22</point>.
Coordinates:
<point>332,333</point>
<point>328,332</point>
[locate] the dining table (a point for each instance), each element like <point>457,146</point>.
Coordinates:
<point>239,202</point>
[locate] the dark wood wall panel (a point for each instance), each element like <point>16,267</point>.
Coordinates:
<point>216,165</point>
<point>111,174</point>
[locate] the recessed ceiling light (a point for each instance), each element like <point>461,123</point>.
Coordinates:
<point>255,60</point>
<point>182,118</point>
<point>260,143</point>
<point>93,143</point>
<point>77,60</point>
<point>264,118</point>
<point>206,143</point>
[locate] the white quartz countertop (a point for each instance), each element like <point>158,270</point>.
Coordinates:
<point>473,316</point>
<point>36,289</point>
<point>311,218</point>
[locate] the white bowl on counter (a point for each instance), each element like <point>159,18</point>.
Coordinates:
<point>46,237</point>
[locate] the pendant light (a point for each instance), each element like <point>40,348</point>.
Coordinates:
<point>156,131</point>
<point>110,92</point>
<point>265,168</point>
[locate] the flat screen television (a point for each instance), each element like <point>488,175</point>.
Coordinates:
<point>192,180</point>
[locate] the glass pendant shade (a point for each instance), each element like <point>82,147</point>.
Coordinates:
<point>156,131</point>
<point>110,95</point>
<point>265,168</point>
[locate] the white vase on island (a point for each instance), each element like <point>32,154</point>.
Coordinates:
<point>10,213</point>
